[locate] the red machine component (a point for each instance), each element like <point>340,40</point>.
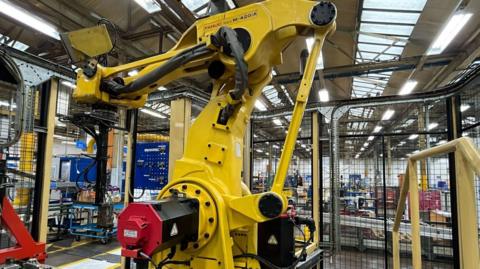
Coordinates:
<point>26,247</point>
<point>139,228</point>
<point>146,228</point>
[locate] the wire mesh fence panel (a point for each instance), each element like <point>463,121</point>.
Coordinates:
<point>470,112</point>
<point>20,160</point>
<point>374,146</point>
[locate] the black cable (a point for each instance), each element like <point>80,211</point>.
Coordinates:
<point>153,76</point>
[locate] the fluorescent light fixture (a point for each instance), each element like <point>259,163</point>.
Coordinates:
<point>151,6</point>
<point>260,105</point>
<point>68,84</point>
<point>152,113</point>
<point>323,95</point>
<point>388,114</point>
<point>132,73</point>
<point>28,19</point>
<point>255,136</point>
<point>370,138</point>
<point>464,108</point>
<point>377,129</point>
<point>3,103</point>
<point>441,142</point>
<point>277,122</point>
<point>161,88</point>
<point>408,87</point>
<point>259,150</point>
<point>68,143</point>
<point>275,146</point>
<point>465,134</point>
<point>362,149</point>
<point>303,146</point>
<point>274,72</point>
<point>432,126</point>
<point>416,151</point>
<point>310,42</point>
<point>449,32</point>
<point>365,144</point>
<point>413,137</point>
<point>357,156</point>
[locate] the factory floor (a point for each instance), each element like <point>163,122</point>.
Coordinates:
<point>70,254</point>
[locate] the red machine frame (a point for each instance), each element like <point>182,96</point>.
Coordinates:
<point>26,247</point>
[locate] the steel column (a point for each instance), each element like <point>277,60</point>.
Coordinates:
<point>41,198</point>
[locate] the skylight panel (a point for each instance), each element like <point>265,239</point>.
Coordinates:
<point>402,30</point>
<point>151,6</point>
<point>412,5</point>
<point>390,17</point>
<point>194,4</point>
<point>272,95</point>
<point>378,40</point>
<point>14,43</point>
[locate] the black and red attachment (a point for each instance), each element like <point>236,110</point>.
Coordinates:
<point>147,228</point>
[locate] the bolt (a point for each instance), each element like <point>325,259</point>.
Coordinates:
<point>197,192</point>
<point>207,203</point>
<point>223,149</point>
<point>211,220</point>
<point>206,235</point>
<point>184,187</point>
<point>195,245</point>
<point>209,145</point>
<point>219,162</point>
<point>206,158</point>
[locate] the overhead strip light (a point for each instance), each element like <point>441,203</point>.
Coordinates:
<point>432,126</point>
<point>68,84</point>
<point>152,113</point>
<point>377,129</point>
<point>260,106</point>
<point>277,122</point>
<point>151,6</point>
<point>370,138</point>
<point>388,114</point>
<point>324,96</point>
<point>413,137</point>
<point>408,87</point>
<point>464,108</point>
<point>449,32</point>
<point>28,19</point>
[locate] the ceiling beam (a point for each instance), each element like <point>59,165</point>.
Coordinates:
<point>407,63</point>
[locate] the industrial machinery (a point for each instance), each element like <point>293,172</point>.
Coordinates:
<point>206,217</point>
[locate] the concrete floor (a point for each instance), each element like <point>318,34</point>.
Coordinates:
<point>348,259</point>
<point>69,254</point>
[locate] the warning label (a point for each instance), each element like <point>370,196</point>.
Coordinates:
<point>272,240</point>
<point>174,230</point>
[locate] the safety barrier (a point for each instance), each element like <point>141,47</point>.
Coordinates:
<point>467,160</point>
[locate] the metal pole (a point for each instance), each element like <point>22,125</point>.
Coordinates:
<point>385,204</point>
<point>454,131</point>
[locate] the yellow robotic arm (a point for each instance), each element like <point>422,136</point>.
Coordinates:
<point>238,49</point>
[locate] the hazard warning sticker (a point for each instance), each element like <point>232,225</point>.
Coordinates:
<point>174,230</point>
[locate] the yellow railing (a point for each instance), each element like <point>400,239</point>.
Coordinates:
<point>467,164</point>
